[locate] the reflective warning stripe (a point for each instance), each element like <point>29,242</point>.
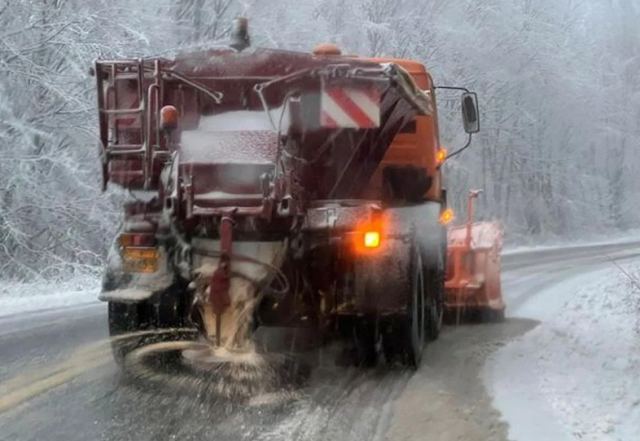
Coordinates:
<point>350,107</point>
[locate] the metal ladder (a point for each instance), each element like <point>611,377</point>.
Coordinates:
<point>149,149</point>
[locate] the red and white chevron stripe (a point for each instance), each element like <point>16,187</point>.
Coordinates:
<point>349,107</point>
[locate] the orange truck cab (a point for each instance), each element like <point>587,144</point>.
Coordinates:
<point>418,143</point>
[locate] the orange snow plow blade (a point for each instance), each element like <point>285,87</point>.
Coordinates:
<point>473,268</point>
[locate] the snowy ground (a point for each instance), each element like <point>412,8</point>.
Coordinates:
<point>576,375</point>
<point>573,377</point>
<point>27,297</point>
<point>596,239</point>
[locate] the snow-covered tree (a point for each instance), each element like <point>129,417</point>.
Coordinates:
<point>558,86</point>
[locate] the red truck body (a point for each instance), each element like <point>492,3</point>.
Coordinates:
<point>281,188</point>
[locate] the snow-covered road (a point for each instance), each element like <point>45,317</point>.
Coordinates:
<point>576,375</point>
<point>570,373</point>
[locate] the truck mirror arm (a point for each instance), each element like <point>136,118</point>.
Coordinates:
<point>470,133</point>
<point>461,149</point>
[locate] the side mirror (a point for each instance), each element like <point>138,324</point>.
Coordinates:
<point>470,113</point>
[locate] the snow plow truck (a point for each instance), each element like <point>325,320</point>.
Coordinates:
<point>272,188</point>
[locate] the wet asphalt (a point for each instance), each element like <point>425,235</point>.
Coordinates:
<point>58,382</point>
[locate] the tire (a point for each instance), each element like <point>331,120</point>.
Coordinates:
<point>403,337</point>
<point>434,299</point>
<point>123,319</point>
<point>162,311</point>
<point>414,323</point>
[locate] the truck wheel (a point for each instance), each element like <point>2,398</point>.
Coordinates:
<point>123,319</point>
<point>128,319</point>
<point>403,336</point>
<point>434,300</point>
<point>414,323</point>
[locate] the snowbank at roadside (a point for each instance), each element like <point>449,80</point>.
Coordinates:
<point>615,237</point>
<point>575,376</point>
<point>604,239</point>
<point>27,297</point>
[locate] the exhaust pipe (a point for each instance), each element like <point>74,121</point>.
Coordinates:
<point>240,39</point>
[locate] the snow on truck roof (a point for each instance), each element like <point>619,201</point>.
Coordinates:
<point>259,62</point>
<point>266,62</point>
<point>234,146</point>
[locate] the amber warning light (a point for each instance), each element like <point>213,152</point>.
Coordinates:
<point>168,118</point>
<point>371,239</point>
<point>446,216</point>
<point>441,156</point>
<point>368,236</point>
